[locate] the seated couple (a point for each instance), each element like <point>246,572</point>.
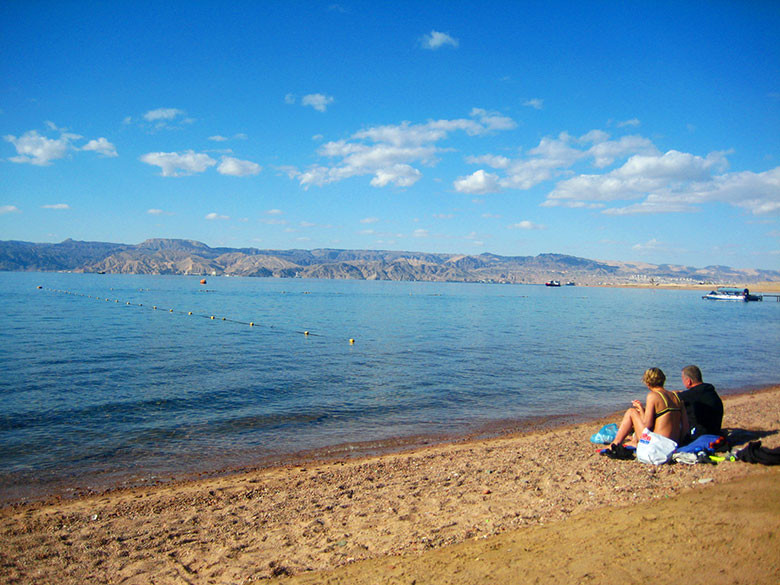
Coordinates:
<point>680,416</point>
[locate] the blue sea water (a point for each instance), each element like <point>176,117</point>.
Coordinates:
<point>99,387</point>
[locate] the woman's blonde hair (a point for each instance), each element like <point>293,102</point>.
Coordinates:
<point>654,378</point>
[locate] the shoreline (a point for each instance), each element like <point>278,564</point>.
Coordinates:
<point>319,515</point>
<point>109,482</point>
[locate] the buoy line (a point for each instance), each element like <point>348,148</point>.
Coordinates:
<point>252,324</point>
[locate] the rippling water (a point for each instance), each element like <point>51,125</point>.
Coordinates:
<point>96,391</point>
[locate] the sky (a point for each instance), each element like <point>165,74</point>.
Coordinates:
<point>611,130</point>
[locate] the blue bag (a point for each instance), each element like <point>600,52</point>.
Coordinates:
<point>606,434</point>
<point>700,443</point>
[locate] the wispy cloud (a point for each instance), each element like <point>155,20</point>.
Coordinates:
<point>436,40</point>
<point>9,209</point>
<point>318,101</point>
<point>653,181</point>
<point>189,162</point>
<point>101,146</point>
<point>39,150</point>
<point>389,152</point>
<point>167,114</point>
<point>175,164</point>
<point>158,212</point>
<point>237,167</point>
<point>535,103</point>
<point>162,119</point>
<point>220,138</point>
<point>526,225</point>
<point>59,206</point>
<point>216,216</point>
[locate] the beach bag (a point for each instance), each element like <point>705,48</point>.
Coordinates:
<point>606,434</point>
<point>654,448</point>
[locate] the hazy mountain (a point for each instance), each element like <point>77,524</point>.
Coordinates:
<point>169,256</point>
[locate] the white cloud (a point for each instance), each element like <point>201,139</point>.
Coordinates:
<point>649,246</point>
<point>631,122</point>
<point>605,152</point>
<point>436,40</point>
<point>479,182</point>
<point>653,176</point>
<point>238,168</point>
<point>215,216</point>
<point>290,98</point>
<point>34,149</point>
<point>535,103</point>
<point>220,138</point>
<point>56,206</point>
<point>161,114</point>
<point>369,220</point>
<point>101,146</point>
<point>400,175</point>
<point>526,225</point>
<point>388,152</point>
<point>275,212</point>
<point>174,164</point>
<point>318,101</point>
<point>158,212</point>
<point>420,233</point>
<point>9,209</point>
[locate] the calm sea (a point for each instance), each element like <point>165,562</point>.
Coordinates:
<point>100,388</point>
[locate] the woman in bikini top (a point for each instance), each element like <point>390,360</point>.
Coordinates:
<point>658,415</point>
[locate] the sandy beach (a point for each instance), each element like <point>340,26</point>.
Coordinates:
<point>538,507</point>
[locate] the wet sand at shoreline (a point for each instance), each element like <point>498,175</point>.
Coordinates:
<point>542,505</point>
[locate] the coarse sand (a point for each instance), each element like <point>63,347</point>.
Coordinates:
<point>538,507</point>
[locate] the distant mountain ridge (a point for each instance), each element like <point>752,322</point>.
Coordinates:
<point>175,256</point>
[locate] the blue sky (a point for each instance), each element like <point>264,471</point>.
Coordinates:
<point>634,131</point>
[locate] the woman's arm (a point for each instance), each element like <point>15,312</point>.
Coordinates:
<point>648,416</point>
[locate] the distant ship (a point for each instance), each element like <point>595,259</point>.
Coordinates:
<point>552,283</point>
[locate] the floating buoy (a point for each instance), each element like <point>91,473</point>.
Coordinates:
<point>189,312</point>
<point>40,287</point>
<point>251,324</point>
<point>203,281</point>
<point>213,317</point>
<point>352,342</point>
<point>306,333</point>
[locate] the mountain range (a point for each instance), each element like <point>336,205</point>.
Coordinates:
<point>176,256</point>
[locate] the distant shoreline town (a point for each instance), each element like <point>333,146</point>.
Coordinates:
<point>188,257</point>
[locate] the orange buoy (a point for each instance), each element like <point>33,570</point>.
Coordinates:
<point>203,281</point>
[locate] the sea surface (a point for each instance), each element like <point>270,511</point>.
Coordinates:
<point>121,379</point>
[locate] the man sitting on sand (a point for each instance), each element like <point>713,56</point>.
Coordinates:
<point>703,405</point>
<point>663,413</point>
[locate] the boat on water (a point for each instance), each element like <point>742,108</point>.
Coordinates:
<point>552,283</point>
<point>725,293</point>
